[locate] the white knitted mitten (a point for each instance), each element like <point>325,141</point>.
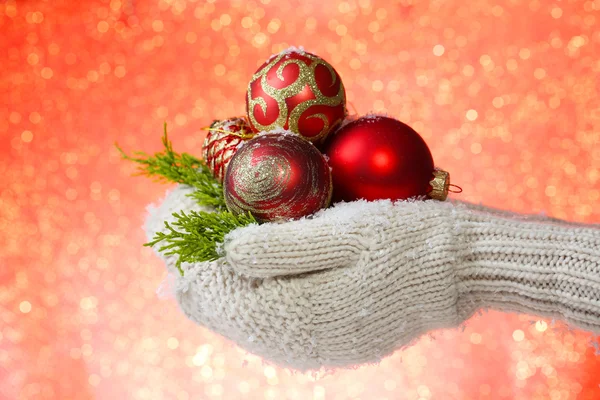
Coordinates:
<point>359,280</point>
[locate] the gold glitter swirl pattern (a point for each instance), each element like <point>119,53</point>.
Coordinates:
<point>277,177</point>
<point>289,115</point>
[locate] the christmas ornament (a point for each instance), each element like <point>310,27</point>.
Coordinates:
<point>277,176</point>
<point>381,158</point>
<point>221,143</point>
<point>297,91</point>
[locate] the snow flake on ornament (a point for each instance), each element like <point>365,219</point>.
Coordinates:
<point>290,50</point>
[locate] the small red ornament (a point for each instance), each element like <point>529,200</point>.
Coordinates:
<point>277,176</point>
<point>221,142</point>
<point>296,91</point>
<point>379,158</point>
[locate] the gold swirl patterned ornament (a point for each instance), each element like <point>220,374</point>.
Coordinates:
<point>296,91</point>
<point>277,177</point>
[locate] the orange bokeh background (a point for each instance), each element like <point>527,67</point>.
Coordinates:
<point>505,93</point>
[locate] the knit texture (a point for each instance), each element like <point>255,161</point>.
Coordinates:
<point>360,280</point>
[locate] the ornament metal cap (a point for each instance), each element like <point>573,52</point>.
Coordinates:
<point>440,185</point>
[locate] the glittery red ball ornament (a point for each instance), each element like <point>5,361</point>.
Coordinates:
<point>277,176</point>
<point>378,158</point>
<point>221,142</point>
<point>297,91</point>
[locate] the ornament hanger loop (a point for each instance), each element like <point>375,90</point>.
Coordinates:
<point>457,189</point>
<point>352,107</point>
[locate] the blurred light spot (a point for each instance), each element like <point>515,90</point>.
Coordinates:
<point>94,380</point>
<point>541,326</point>
<point>247,22</point>
<point>225,19</point>
<point>88,303</point>
<point>472,115</point>
<point>274,25</point>
<point>115,5</point>
<point>518,335</point>
<point>35,117</point>
<point>191,37</point>
<point>244,387</point>
<point>220,70</point>
<point>46,73</point>
<point>468,70</point>
<point>14,117</point>
<point>475,338</point>
<point>102,26</point>
<point>577,41</point>
<point>423,391</point>
<point>355,63</point>
<point>524,53</point>
<point>318,392</point>
<point>343,7</point>
<point>259,39</point>
<point>26,136</point>
<point>341,30</point>
<point>162,112</point>
<point>498,102</point>
<point>71,194</point>
<point>33,59</point>
<point>556,12</point>
<point>206,371</point>
<point>172,343</point>
<point>377,86</point>
<point>25,307</point>
<point>270,372</point>
<point>485,60</point>
<point>158,25</point>
<point>539,73</point>
<point>180,119</point>
<point>389,385</point>
<point>120,71</point>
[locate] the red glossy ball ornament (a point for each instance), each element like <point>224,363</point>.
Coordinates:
<point>276,177</point>
<point>378,158</point>
<point>296,91</point>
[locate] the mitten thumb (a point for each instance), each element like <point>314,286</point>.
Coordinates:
<point>332,238</point>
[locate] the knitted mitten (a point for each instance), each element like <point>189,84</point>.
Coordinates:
<point>359,280</point>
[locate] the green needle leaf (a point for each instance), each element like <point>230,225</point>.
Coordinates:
<point>194,236</point>
<point>169,166</point>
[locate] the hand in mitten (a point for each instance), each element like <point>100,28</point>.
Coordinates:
<point>359,280</point>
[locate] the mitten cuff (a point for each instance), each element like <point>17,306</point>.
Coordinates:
<point>529,264</point>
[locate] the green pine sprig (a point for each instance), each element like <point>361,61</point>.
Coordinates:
<point>169,166</point>
<point>195,236</point>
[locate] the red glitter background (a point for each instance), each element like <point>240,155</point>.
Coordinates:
<point>504,92</point>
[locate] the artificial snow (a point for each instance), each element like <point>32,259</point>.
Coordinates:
<point>288,51</point>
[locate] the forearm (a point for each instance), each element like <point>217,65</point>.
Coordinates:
<point>532,265</point>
